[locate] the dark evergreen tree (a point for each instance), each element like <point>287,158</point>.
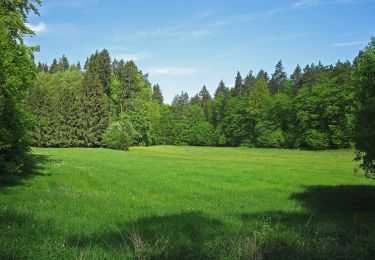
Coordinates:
<point>263,75</point>
<point>296,79</point>
<point>156,94</point>
<point>63,64</point>
<point>79,67</point>
<point>95,114</point>
<point>249,82</point>
<point>221,89</point>
<point>54,66</point>
<point>238,85</point>
<point>100,64</point>
<point>278,79</point>
<point>205,100</point>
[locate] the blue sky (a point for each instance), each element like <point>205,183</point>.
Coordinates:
<point>184,45</point>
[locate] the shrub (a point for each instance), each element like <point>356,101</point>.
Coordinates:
<point>119,135</point>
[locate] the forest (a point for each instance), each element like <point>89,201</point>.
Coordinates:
<point>113,104</point>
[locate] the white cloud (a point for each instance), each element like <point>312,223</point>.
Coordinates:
<point>166,32</point>
<point>38,28</point>
<point>180,71</point>
<point>347,44</point>
<point>306,3</point>
<point>133,56</point>
<point>242,18</point>
<point>285,37</point>
<point>312,3</point>
<point>207,14</point>
<point>72,3</point>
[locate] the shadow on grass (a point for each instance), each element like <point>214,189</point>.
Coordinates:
<point>178,236</point>
<point>337,222</point>
<point>23,235</point>
<point>33,166</point>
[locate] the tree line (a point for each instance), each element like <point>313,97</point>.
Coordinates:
<point>113,104</point>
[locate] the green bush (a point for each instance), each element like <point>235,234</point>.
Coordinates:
<point>119,135</point>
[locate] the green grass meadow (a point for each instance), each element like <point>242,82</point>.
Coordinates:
<point>188,203</point>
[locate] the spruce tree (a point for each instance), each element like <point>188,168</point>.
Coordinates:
<point>157,95</point>
<point>238,85</point>
<point>263,75</point>
<point>249,82</point>
<point>220,89</point>
<point>54,66</point>
<point>278,79</point>
<point>63,64</point>
<point>95,110</point>
<point>206,100</point>
<point>296,79</point>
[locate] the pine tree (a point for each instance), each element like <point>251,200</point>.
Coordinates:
<point>54,66</point>
<point>238,85</point>
<point>157,95</point>
<point>296,79</point>
<point>133,85</point>
<point>63,64</point>
<point>100,64</point>
<point>206,100</point>
<point>79,67</point>
<point>278,79</point>
<point>220,89</point>
<point>104,70</point>
<point>263,75</point>
<point>95,115</point>
<point>249,82</point>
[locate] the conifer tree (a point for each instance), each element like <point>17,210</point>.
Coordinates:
<point>100,65</point>
<point>54,66</point>
<point>263,75</point>
<point>278,79</point>
<point>296,79</point>
<point>249,82</point>
<point>220,89</point>
<point>63,64</point>
<point>95,110</point>
<point>238,85</point>
<point>157,95</point>
<point>205,102</point>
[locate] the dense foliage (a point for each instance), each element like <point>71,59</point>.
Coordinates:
<point>364,80</point>
<point>17,71</point>
<point>311,109</point>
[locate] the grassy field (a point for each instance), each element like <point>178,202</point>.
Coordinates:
<point>188,202</point>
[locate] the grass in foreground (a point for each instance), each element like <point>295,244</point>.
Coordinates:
<point>188,202</point>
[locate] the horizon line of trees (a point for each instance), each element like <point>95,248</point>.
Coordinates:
<point>113,104</point>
